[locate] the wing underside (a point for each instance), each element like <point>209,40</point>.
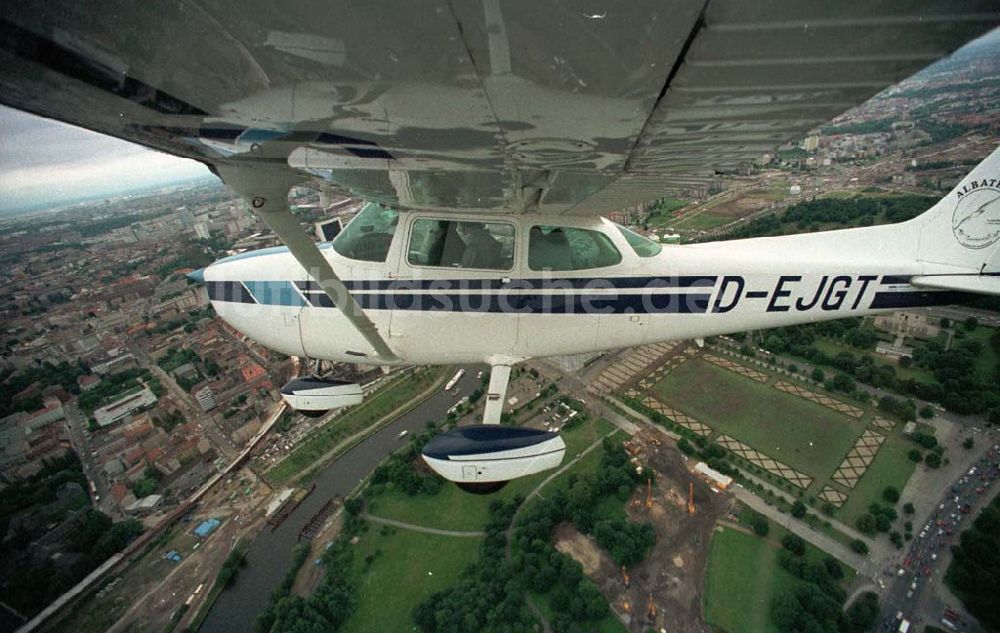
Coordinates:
<point>558,107</point>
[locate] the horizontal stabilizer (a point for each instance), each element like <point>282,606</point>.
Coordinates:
<point>981,284</point>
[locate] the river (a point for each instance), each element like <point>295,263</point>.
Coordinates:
<point>270,555</point>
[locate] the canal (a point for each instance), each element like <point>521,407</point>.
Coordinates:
<point>270,555</point>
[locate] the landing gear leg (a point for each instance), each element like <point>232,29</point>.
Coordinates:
<point>499,379</point>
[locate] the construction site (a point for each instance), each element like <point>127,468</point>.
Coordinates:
<point>663,593</point>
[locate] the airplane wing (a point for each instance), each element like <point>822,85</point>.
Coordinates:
<point>544,105</point>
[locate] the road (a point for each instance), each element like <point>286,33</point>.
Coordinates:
<point>270,554</point>
<point>914,586</point>
<point>819,539</point>
<point>961,313</point>
<point>79,438</point>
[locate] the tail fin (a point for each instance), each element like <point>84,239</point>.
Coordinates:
<point>962,232</point>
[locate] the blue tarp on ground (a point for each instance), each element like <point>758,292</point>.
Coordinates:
<point>206,527</point>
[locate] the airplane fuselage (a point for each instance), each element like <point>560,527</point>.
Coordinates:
<point>463,313</point>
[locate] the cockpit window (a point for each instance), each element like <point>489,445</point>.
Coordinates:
<point>484,245</point>
<point>369,234</point>
<point>643,246</point>
<point>565,248</point>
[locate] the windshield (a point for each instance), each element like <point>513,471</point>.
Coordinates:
<point>369,234</point>
<point>643,246</point>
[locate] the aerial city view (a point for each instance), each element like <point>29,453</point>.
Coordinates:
<point>706,413</point>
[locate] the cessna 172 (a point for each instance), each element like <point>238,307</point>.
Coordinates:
<point>489,138</point>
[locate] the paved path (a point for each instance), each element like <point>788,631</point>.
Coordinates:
<point>866,587</point>
<point>578,389</point>
<point>420,528</point>
<point>840,527</point>
<point>819,539</point>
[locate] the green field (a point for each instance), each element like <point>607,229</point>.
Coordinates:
<point>662,213</point>
<point>741,579</point>
<point>406,569</point>
<point>987,360</point>
<point>453,509</point>
<point>743,576</point>
<point>807,436</point>
<point>310,452</point>
<point>891,467</point>
<point>702,222</point>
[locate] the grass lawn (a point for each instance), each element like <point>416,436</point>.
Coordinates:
<point>663,213</point>
<point>986,361</point>
<point>807,436</point>
<point>741,580</point>
<point>407,568</point>
<point>891,467</point>
<point>702,221</point>
<point>453,509</point>
<point>310,452</point>
<point>743,577</point>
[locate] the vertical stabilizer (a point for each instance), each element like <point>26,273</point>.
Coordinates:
<point>963,229</point>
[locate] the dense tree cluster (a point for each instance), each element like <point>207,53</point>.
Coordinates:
<point>231,566</point>
<point>488,596</point>
<point>761,526</point>
<point>958,388</point>
<point>110,387</point>
<point>399,473</point>
<point>147,484</point>
<point>861,615</point>
<point>974,573</point>
<point>16,381</point>
<point>834,213</point>
<point>956,385</point>
<point>40,488</point>
<point>814,605</point>
<point>879,518</point>
<point>28,584</point>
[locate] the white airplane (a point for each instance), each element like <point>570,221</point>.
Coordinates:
<point>489,138</point>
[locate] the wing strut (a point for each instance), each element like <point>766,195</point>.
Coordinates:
<point>267,191</point>
<point>499,377</point>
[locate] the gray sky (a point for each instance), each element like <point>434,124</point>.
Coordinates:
<point>46,161</point>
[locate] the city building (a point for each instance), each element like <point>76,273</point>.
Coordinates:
<point>714,477</point>
<point>146,504</point>
<point>124,406</point>
<point>908,324</point>
<point>205,398</point>
<point>186,218</point>
<point>87,382</point>
<point>893,350</point>
<point>201,230</point>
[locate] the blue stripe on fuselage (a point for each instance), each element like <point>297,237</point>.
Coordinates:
<point>497,303</point>
<point>279,293</point>
<point>499,296</point>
